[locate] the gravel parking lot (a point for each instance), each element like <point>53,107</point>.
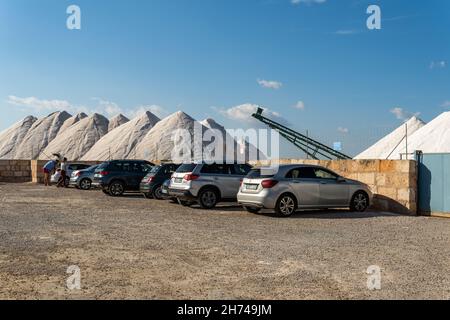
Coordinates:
<point>131,247</point>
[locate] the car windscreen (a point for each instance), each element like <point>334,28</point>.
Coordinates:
<point>102,166</point>
<point>260,174</point>
<point>184,168</point>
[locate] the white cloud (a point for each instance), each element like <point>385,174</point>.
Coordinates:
<point>300,105</point>
<point>243,113</point>
<point>38,104</point>
<point>107,107</point>
<point>297,2</point>
<point>438,64</point>
<point>346,32</point>
<point>402,114</point>
<point>446,104</point>
<point>270,84</point>
<point>343,130</point>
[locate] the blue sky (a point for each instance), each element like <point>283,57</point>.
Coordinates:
<point>214,58</point>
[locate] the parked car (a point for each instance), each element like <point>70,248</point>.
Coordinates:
<point>295,187</point>
<point>151,185</point>
<point>207,184</point>
<point>70,169</point>
<point>119,176</point>
<point>165,191</point>
<point>82,179</point>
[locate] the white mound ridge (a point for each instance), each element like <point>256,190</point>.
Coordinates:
<point>120,142</point>
<point>11,138</point>
<point>387,147</point>
<point>117,121</point>
<point>71,121</point>
<point>78,139</point>
<point>431,138</point>
<point>41,133</point>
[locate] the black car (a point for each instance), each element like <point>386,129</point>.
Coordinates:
<point>119,176</point>
<point>151,185</point>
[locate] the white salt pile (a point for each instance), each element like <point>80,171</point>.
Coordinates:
<point>385,148</point>
<point>120,142</point>
<point>78,139</point>
<point>11,138</point>
<point>117,121</point>
<point>71,121</point>
<point>41,133</point>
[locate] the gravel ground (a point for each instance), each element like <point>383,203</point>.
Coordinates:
<point>135,248</point>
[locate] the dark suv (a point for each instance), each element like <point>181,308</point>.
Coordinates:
<point>119,176</point>
<point>153,181</point>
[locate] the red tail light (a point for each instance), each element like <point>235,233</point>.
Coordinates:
<point>103,173</point>
<point>268,184</point>
<point>78,174</point>
<point>191,177</point>
<point>150,179</point>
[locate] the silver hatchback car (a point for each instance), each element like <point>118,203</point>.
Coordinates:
<point>294,187</point>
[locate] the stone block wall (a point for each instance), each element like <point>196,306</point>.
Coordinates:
<point>393,182</point>
<point>17,171</point>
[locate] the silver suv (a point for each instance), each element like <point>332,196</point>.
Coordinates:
<point>294,187</point>
<point>207,184</point>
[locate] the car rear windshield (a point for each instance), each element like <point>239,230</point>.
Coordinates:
<point>186,168</point>
<point>260,173</point>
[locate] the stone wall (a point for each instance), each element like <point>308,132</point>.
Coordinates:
<point>18,171</point>
<point>393,182</point>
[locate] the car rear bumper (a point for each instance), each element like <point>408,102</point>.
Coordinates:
<point>255,200</point>
<point>181,194</point>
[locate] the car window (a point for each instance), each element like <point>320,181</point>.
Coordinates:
<point>242,169</point>
<point>216,169</point>
<point>184,168</point>
<point>325,174</point>
<point>260,174</point>
<point>301,173</point>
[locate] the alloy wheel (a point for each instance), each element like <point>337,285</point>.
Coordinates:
<point>287,206</point>
<point>360,202</point>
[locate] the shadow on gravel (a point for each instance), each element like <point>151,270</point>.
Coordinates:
<point>333,214</point>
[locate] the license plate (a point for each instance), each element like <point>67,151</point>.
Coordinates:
<point>178,180</point>
<point>251,186</point>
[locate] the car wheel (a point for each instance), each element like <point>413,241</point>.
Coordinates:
<point>116,189</point>
<point>360,202</point>
<point>286,205</point>
<point>157,193</point>
<point>208,198</point>
<point>85,184</point>
<point>252,209</point>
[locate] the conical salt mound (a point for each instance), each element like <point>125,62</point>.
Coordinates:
<point>158,144</point>
<point>11,138</point>
<point>71,121</point>
<point>232,149</point>
<point>41,133</point>
<point>77,140</point>
<point>119,143</point>
<point>117,121</point>
<point>385,148</point>
<point>431,138</point>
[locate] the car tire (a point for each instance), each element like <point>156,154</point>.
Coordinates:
<point>85,184</point>
<point>116,188</point>
<point>286,205</point>
<point>157,194</point>
<point>208,198</point>
<point>359,202</point>
<point>252,210</point>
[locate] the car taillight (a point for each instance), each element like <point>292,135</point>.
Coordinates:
<point>103,173</point>
<point>191,177</point>
<point>78,174</point>
<point>150,179</point>
<point>242,182</point>
<point>267,184</point>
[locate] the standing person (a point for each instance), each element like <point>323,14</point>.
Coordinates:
<point>48,168</point>
<point>62,180</point>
